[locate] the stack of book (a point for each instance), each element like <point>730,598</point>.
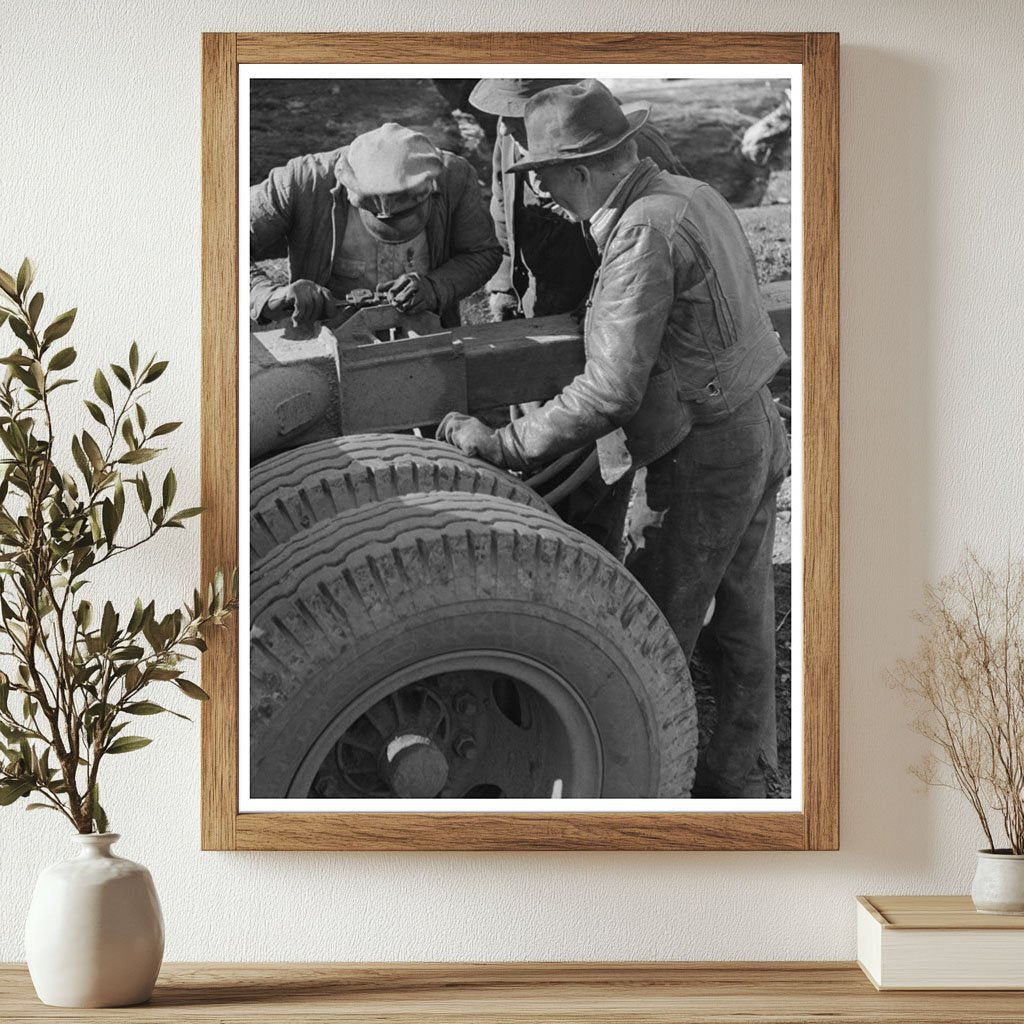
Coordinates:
<point>938,942</point>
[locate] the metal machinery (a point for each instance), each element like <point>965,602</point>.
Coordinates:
<point>423,625</point>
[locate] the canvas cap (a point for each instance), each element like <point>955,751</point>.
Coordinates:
<point>572,122</point>
<point>507,97</point>
<point>390,161</point>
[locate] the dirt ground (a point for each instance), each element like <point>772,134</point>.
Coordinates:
<point>292,117</point>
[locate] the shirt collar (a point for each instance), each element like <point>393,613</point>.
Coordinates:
<point>607,216</point>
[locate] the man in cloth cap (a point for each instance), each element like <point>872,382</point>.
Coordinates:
<point>679,354</point>
<point>546,265</point>
<point>388,213</point>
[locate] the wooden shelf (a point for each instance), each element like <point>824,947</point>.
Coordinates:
<point>658,993</point>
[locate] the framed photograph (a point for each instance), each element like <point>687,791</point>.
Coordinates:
<point>520,420</point>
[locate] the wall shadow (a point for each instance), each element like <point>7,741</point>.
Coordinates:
<point>887,279</point>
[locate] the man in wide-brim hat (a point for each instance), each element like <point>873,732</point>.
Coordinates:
<point>546,266</point>
<point>389,213</point>
<point>679,354</point>
<point>548,263</point>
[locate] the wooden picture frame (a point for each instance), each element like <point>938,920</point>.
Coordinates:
<point>816,826</point>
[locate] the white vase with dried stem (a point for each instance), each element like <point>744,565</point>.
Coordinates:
<point>967,682</point>
<point>95,933</point>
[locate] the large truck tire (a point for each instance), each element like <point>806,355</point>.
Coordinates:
<point>297,489</point>
<point>460,645</point>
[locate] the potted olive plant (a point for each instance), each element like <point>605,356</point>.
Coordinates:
<point>967,680</point>
<point>82,674</point>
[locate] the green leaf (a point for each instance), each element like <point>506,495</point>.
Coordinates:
<point>41,807</point>
<point>164,673</point>
<point>125,744</point>
<point>191,690</point>
<point>99,816</point>
<point>34,308</point>
<point>110,521</point>
<point>140,415</point>
<point>138,455</point>
<point>108,627</point>
<point>145,707</point>
<point>138,614</point>
<point>79,456</point>
<point>185,513</point>
<point>26,274</point>
<point>145,497</point>
<point>8,285</point>
<point>130,653</point>
<point>4,314</point>
<point>128,433</point>
<point>11,791</point>
<point>20,328</point>
<point>63,359</point>
<point>166,428</point>
<point>121,374</point>
<point>84,614</point>
<point>133,358</point>
<point>102,388</point>
<point>154,372</point>
<point>16,359</point>
<point>170,488</point>
<point>60,326</point>
<point>95,412</point>
<point>92,449</point>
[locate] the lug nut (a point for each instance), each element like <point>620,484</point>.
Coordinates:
<point>465,747</point>
<point>465,704</point>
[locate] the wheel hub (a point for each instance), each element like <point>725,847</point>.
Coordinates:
<point>463,733</point>
<point>414,767</point>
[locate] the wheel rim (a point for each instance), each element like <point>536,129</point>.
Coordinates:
<point>470,724</point>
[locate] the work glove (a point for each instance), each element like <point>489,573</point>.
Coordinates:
<point>410,293</point>
<point>471,436</point>
<point>306,301</point>
<point>503,306</point>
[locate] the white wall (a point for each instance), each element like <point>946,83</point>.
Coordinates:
<point>100,182</point>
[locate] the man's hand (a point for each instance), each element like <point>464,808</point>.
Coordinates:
<point>410,293</point>
<point>471,436</point>
<point>503,306</point>
<point>305,300</point>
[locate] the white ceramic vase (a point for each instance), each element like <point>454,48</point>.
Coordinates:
<point>999,883</point>
<point>95,934</point>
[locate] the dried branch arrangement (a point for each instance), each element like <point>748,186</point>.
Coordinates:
<point>967,678</point>
<point>80,670</point>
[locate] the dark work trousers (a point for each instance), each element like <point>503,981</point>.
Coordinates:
<point>718,490</point>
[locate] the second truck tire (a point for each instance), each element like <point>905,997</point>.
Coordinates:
<point>294,490</point>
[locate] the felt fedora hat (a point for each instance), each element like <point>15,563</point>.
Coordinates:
<point>570,122</point>
<point>507,97</point>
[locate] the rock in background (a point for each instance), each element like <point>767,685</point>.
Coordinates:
<point>702,119</point>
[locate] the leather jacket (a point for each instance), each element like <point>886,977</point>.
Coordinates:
<point>302,208</point>
<point>675,333</point>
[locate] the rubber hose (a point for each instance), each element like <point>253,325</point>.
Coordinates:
<point>566,487</point>
<point>551,469</point>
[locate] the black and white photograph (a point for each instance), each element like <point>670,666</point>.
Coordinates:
<point>523,425</point>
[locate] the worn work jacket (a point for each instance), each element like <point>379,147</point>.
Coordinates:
<point>545,259</point>
<point>302,208</point>
<point>675,332</point>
